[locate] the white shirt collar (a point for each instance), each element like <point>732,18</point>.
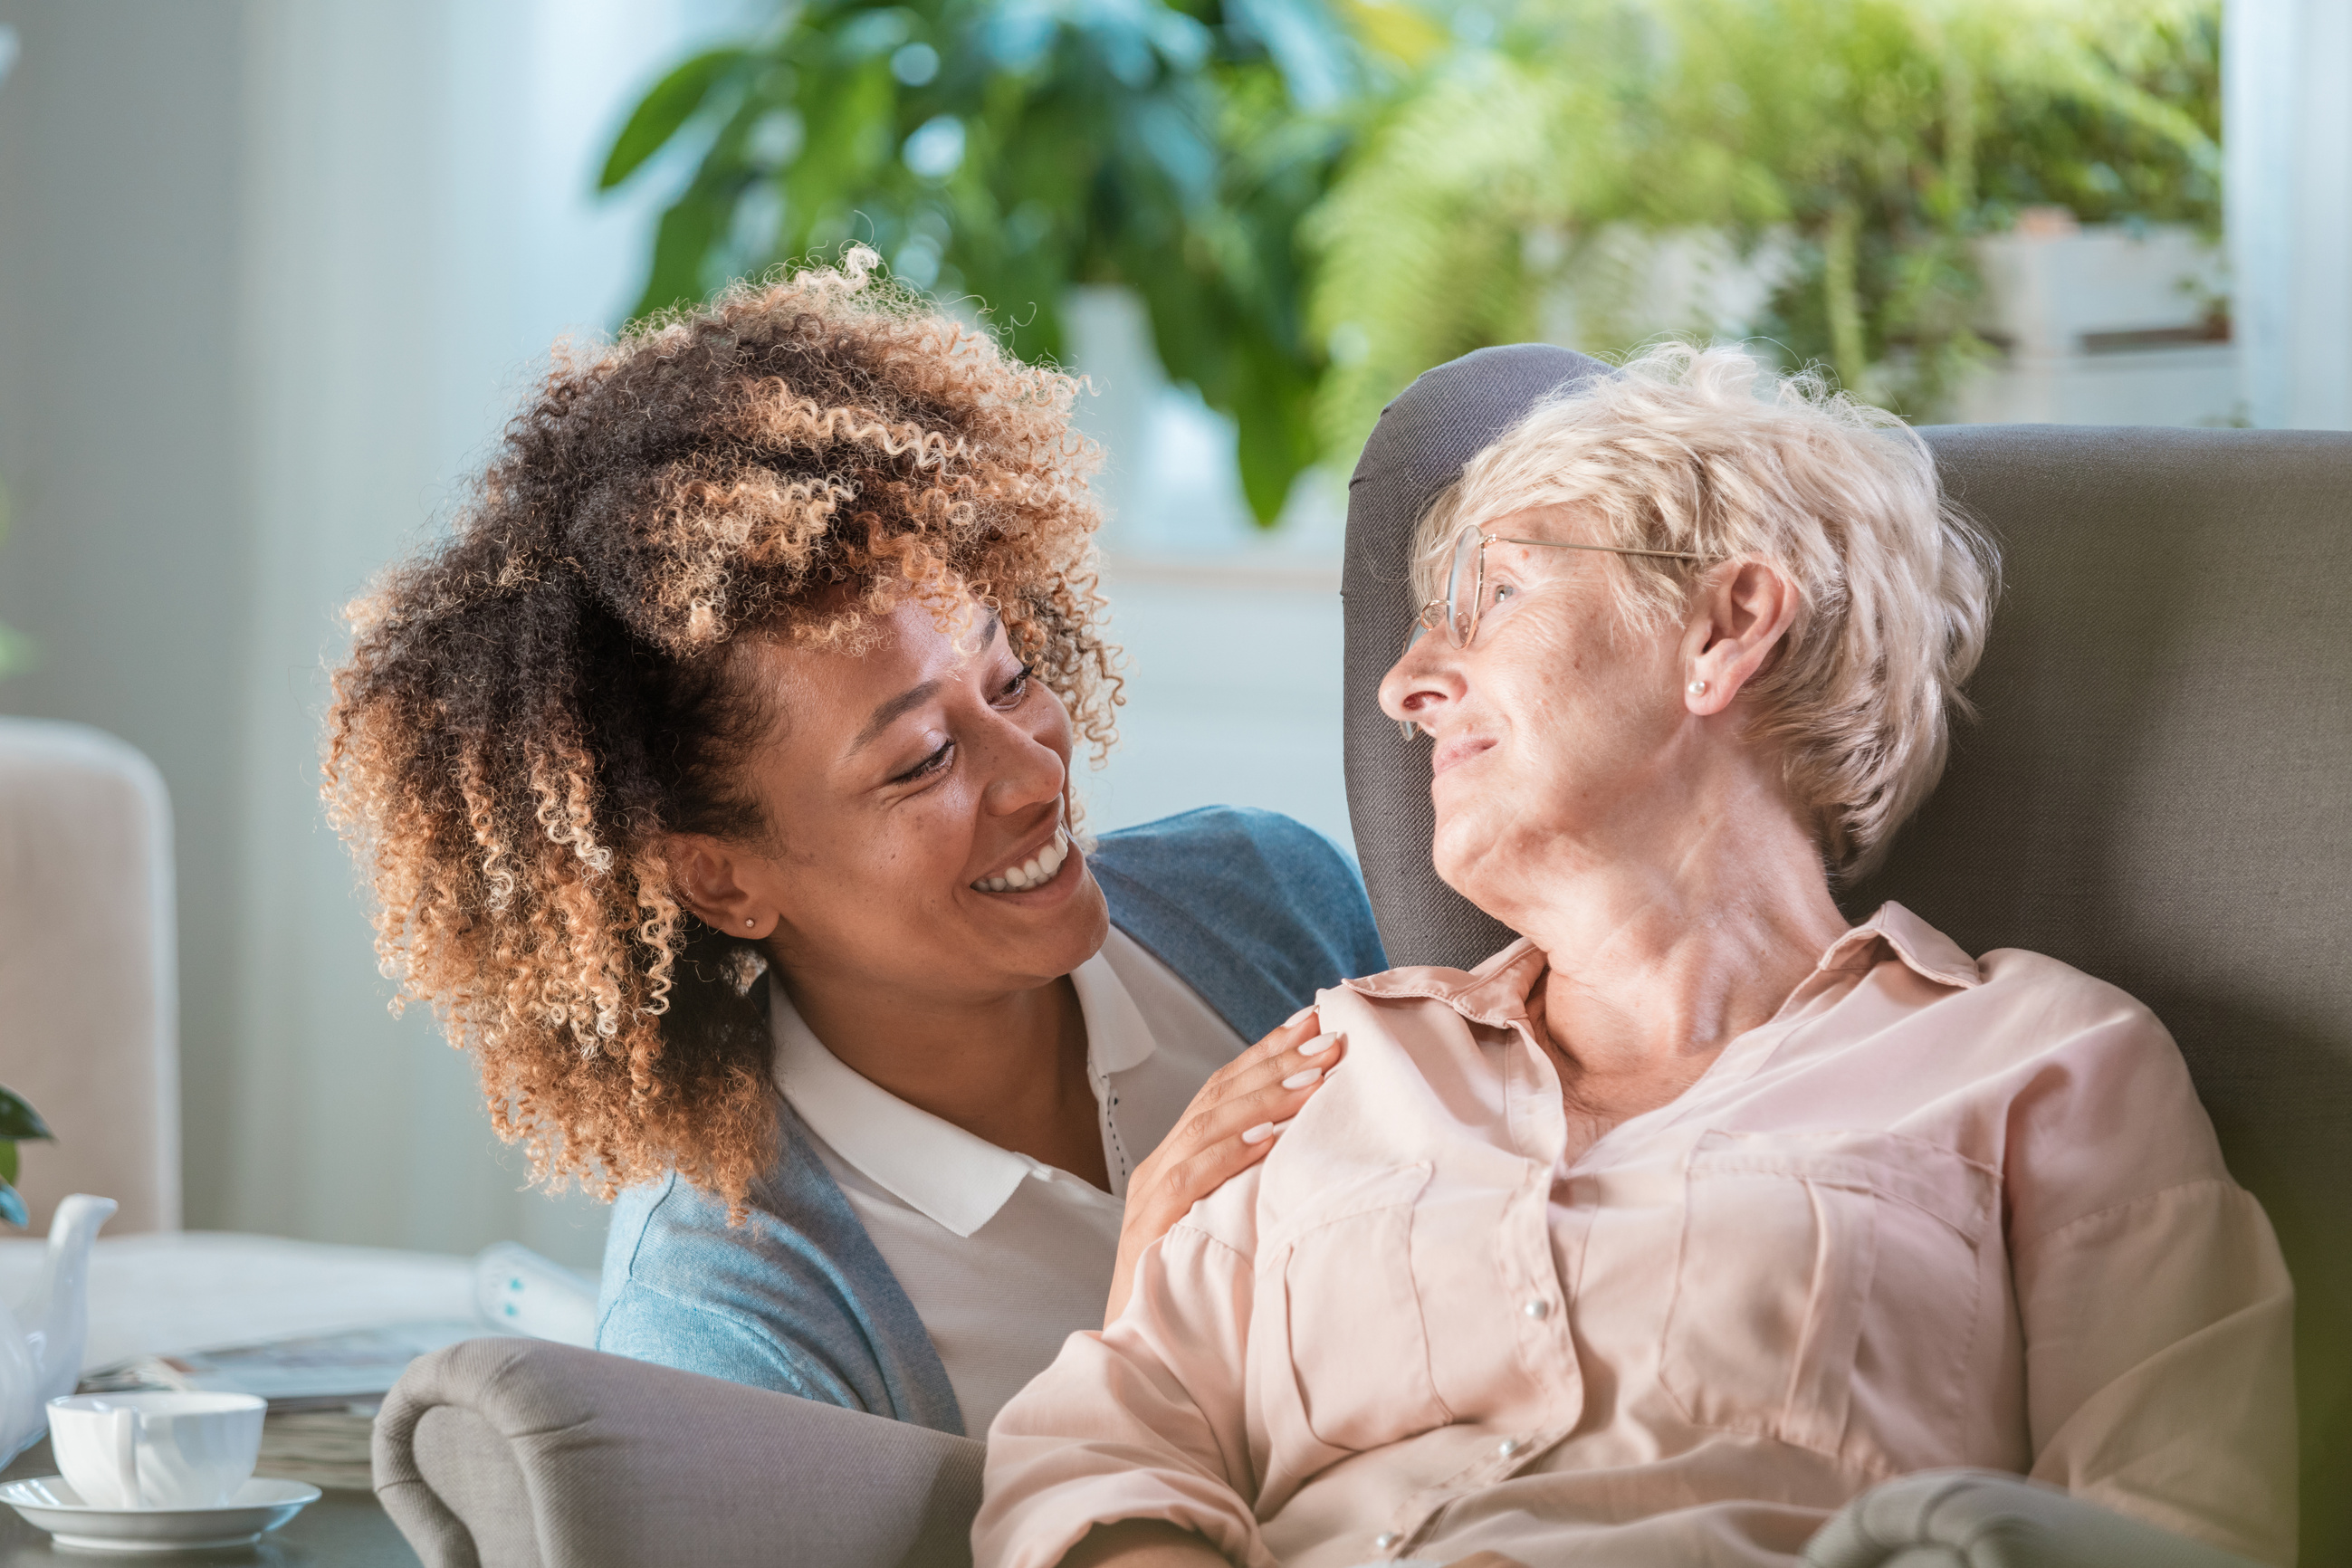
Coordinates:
<point>1116,1036</point>
<point>954,1178</point>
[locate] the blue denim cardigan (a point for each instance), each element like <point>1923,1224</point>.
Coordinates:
<point>1253,911</point>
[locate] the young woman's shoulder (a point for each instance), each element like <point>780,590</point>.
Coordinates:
<point>790,1295</point>
<point>1255,910</point>
<point>1217,842</point>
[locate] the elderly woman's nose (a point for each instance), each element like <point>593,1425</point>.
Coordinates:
<point>1421,683</point>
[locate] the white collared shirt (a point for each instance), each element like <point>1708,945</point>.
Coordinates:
<point>1003,1256</point>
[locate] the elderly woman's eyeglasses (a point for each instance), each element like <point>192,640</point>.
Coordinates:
<point>1464,602</point>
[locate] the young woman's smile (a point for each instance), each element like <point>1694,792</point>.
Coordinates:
<point>1038,875</point>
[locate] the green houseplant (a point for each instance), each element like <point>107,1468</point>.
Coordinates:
<point>1869,140</point>
<point>1315,205</point>
<point>1007,149</point>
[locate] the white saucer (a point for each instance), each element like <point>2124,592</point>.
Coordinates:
<point>259,1505</point>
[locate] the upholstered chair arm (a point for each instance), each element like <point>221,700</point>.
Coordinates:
<point>1981,1519</point>
<point>512,1453</point>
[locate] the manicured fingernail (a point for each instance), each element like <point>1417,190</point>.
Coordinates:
<point>1282,1126</point>
<point>1305,1012</point>
<point>1301,1080</point>
<point>1262,1131</point>
<point>1318,1045</point>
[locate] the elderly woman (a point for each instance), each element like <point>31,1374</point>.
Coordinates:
<point>714,779</point>
<point>1678,1223</point>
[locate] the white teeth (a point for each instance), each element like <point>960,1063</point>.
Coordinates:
<point>1038,869</point>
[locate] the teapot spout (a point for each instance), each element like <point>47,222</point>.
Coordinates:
<point>57,1318</point>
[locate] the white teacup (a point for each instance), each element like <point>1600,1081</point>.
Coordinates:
<point>156,1451</point>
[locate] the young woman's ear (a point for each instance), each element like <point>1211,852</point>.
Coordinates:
<point>708,877</point>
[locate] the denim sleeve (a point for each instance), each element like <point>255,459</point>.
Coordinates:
<point>793,1297</point>
<point>645,1324</point>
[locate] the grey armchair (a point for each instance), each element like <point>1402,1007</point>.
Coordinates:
<point>2161,791</point>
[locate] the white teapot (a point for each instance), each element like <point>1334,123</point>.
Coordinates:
<point>41,1342</point>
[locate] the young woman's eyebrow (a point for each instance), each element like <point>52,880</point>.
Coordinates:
<point>914,696</point>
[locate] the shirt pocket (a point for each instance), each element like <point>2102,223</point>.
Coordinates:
<point>1826,1292</point>
<point>1357,1346</point>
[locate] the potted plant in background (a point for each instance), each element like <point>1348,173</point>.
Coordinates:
<point>1010,150</point>
<point>18,1122</point>
<point>1317,202</point>
<point>1849,153</point>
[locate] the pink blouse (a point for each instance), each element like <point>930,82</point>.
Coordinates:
<point>1937,1212</point>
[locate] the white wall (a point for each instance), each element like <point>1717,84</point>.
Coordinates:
<point>128,557</point>
<point>1231,634</point>
<point>1232,688</point>
<point>2286,100</point>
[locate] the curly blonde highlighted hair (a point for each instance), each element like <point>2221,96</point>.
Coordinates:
<point>1707,451</point>
<point>531,707</point>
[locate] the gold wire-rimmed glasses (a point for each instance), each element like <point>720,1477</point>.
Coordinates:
<point>1458,610</point>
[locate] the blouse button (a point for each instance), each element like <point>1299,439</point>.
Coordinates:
<point>1385,1539</point>
<point>1537,1308</point>
<point>1510,1445</point>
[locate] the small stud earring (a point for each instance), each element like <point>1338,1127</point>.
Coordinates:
<point>749,922</point>
<point>1698,688</point>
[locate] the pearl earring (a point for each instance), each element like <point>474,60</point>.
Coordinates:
<point>1698,688</point>
<point>749,922</point>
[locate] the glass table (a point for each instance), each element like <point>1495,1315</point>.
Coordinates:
<point>346,1528</point>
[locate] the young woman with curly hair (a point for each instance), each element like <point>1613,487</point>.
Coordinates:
<point>713,779</point>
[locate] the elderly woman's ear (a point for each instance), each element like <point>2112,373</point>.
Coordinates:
<point>1740,613</point>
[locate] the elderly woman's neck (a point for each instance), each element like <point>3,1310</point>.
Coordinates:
<point>1658,958</point>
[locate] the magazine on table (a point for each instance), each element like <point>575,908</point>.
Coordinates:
<point>516,1291</point>
<point>308,1372</point>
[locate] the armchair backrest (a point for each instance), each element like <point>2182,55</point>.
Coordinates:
<point>2160,791</point>
<point>88,970</point>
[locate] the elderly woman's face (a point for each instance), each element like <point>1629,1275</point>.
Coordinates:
<point>1559,718</point>
<point>916,792</point>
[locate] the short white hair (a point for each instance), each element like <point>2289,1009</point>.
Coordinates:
<point>1707,451</point>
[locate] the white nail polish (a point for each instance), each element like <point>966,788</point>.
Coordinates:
<point>1281,1126</point>
<point>1301,1080</point>
<point>1262,1131</point>
<point>1318,1045</point>
<point>1304,1012</point>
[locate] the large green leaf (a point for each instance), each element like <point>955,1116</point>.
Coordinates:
<point>8,1159</point>
<point>673,100</point>
<point>1277,439</point>
<point>688,230</point>
<point>18,1119</point>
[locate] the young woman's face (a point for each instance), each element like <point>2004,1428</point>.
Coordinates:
<point>916,792</point>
